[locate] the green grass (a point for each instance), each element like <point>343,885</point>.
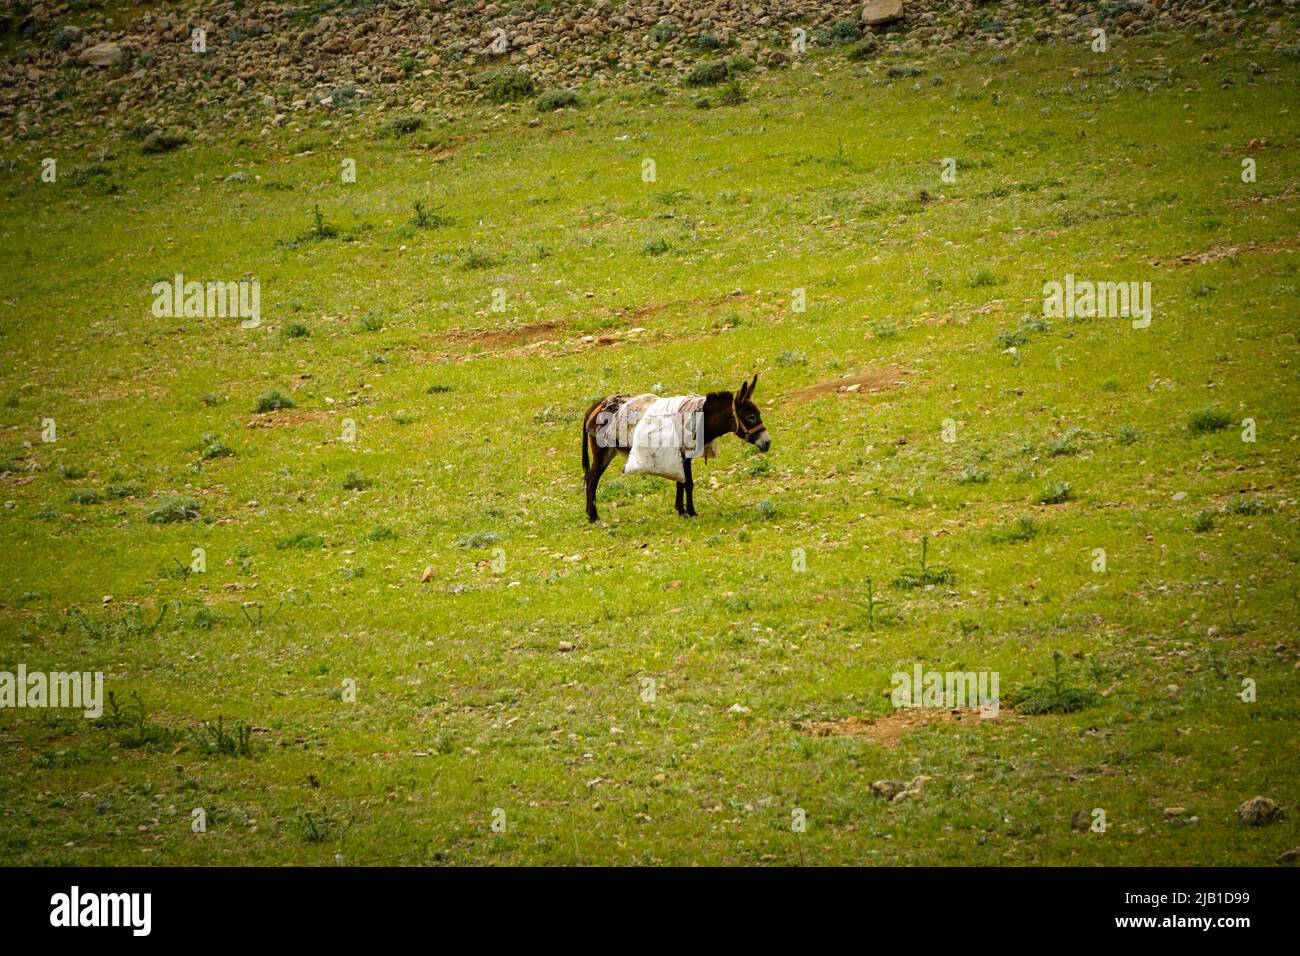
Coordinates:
<point>390,711</point>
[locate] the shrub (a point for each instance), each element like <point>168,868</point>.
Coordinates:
<point>1022,529</point>
<point>381,532</point>
<point>272,400</point>
<point>171,510</point>
<point>1204,521</point>
<point>85,496</point>
<point>479,539</point>
<point>663,32</point>
<point>1055,493</point>
<point>927,575</point>
<point>732,94</point>
<point>864,49</point>
<point>214,447</point>
<point>370,322</point>
<point>1242,505</point>
<point>163,141</point>
<point>1053,695</point>
<point>709,73</point>
<point>1064,445</point>
<point>302,540</point>
<point>296,330</point>
<point>426,218</point>
<point>1127,435</point>
<point>740,64</point>
<point>355,481</point>
<point>400,126</point>
<point>1208,420</point>
<point>903,70</point>
<point>507,85</point>
<point>553,100</point>
<point>655,247</point>
<point>841,32</point>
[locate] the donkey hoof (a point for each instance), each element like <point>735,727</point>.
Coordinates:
<point>592,516</point>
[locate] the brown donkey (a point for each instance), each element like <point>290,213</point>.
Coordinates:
<point>724,414</point>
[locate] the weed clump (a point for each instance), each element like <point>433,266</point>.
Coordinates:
<point>553,100</point>
<point>1053,695</point>
<point>1206,420</point>
<point>172,510</point>
<point>272,400</point>
<point>507,86</point>
<point>927,574</point>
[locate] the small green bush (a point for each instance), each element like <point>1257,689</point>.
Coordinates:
<point>1207,420</point>
<point>553,100</point>
<point>507,85</point>
<point>163,141</point>
<point>1055,493</point>
<point>272,400</point>
<point>864,49</point>
<point>709,73</point>
<point>171,510</point>
<point>400,126</point>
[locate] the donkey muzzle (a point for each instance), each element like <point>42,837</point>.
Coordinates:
<point>764,441</point>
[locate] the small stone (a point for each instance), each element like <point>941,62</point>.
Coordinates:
<point>566,647</point>
<point>1172,813</point>
<point>101,54</point>
<point>428,575</point>
<point>1258,811</point>
<point>888,788</point>
<point>1082,820</point>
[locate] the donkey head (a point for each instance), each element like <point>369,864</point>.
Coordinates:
<point>748,419</point>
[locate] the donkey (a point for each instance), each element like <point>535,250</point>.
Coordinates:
<point>724,414</point>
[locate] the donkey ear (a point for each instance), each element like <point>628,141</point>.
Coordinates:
<point>743,393</point>
<point>753,385</point>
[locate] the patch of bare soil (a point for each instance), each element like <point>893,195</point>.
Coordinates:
<point>640,311</point>
<point>1229,252</point>
<point>289,417</point>
<point>876,380</point>
<point>888,731</point>
<point>504,338</point>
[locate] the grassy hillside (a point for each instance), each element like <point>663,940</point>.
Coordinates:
<point>515,676</point>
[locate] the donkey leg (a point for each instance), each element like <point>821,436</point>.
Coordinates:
<point>690,490</point>
<point>681,487</point>
<point>600,462</point>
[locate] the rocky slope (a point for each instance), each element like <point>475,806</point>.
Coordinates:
<point>262,62</point>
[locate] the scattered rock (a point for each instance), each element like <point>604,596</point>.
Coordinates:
<point>879,12</point>
<point>101,54</point>
<point>1082,820</point>
<point>1258,811</point>
<point>428,575</point>
<point>888,789</point>
<point>566,647</point>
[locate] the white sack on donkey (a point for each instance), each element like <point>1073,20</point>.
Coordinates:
<point>663,436</point>
<point>670,431</point>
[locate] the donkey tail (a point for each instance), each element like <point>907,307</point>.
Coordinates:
<point>586,453</point>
